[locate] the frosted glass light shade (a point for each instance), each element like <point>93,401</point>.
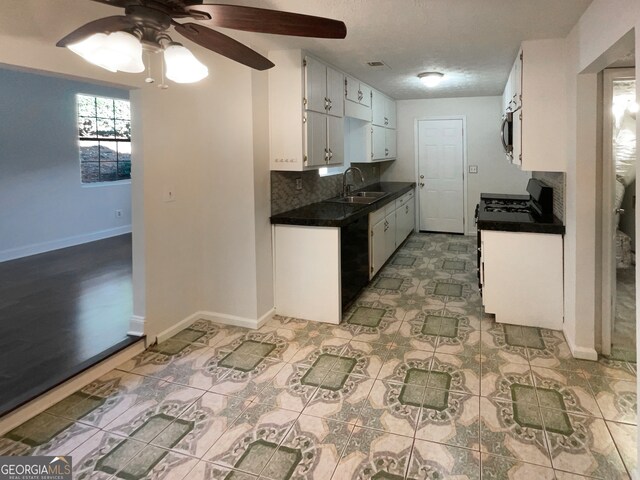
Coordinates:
<point>182,65</point>
<point>116,52</point>
<point>431,79</point>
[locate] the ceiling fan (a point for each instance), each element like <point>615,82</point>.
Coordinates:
<point>117,42</point>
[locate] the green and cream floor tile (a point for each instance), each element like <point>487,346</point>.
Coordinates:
<point>326,348</point>
<point>293,386</point>
<point>233,373</point>
<point>310,451</point>
<point>103,455</point>
<point>340,396</point>
<point>582,444</point>
<point>362,358</point>
<point>209,471</point>
<point>451,418</point>
<point>47,434</point>
<point>278,344</point>
<point>606,367</point>
<point>393,407</point>
<point>617,399</point>
<point>254,437</point>
<point>502,468</point>
<point>195,430</point>
<point>206,333</point>
<point>158,464</point>
<point>393,284</point>
<point>145,420</point>
<point>406,365</point>
<point>374,322</point>
<point>625,437</point>
<point>455,372</point>
<point>503,380</point>
<point>374,455</point>
<point>436,461</point>
<point>513,430</point>
<point>496,344</point>
<point>564,390</point>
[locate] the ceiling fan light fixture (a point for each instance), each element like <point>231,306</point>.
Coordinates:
<point>182,65</point>
<point>431,79</point>
<point>116,52</point>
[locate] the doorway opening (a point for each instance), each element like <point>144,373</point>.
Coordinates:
<point>618,214</point>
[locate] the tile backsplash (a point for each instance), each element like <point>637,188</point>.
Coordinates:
<point>285,197</point>
<point>557,181</point>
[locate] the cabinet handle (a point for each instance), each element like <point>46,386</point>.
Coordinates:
<point>386,152</point>
<point>326,155</point>
<point>330,154</point>
<point>406,208</point>
<point>421,184</point>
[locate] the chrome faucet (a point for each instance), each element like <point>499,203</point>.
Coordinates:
<point>346,187</point>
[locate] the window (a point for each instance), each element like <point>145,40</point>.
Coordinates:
<point>104,134</point>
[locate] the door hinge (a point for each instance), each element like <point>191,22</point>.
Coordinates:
<point>305,160</point>
<point>521,55</point>
<point>304,62</point>
<point>304,102</point>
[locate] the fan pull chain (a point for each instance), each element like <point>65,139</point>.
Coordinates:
<point>149,78</point>
<point>162,85</point>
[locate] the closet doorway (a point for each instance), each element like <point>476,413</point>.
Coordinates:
<point>618,218</point>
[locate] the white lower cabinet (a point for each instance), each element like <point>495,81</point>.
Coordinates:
<point>389,226</point>
<point>522,278</point>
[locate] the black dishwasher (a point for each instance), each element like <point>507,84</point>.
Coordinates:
<point>354,262</point>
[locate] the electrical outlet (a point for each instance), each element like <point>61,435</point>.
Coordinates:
<point>118,213</point>
<point>299,183</point>
<point>473,168</point>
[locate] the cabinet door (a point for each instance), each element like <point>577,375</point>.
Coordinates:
<point>316,139</point>
<point>378,142</point>
<point>390,142</point>
<point>516,83</point>
<point>365,95</point>
<point>335,92</point>
<point>390,235</point>
<point>352,89</point>
<point>378,113</point>
<point>315,85</point>
<point>378,249</point>
<point>516,158</point>
<point>335,140</point>
<point>411,215</point>
<point>390,113</point>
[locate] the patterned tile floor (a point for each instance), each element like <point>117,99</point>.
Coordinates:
<point>415,384</point>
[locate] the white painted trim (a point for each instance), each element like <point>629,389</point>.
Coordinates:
<point>583,353</point>
<point>467,228</point>
<point>36,248</point>
<point>221,318</point>
<point>136,326</point>
<point>29,410</point>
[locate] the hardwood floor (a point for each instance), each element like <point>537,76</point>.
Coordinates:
<point>61,312</point>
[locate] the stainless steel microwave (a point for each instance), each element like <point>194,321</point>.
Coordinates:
<point>506,133</point>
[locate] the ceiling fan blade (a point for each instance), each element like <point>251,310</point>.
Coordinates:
<point>119,3</point>
<point>271,21</point>
<point>102,25</point>
<point>223,45</point>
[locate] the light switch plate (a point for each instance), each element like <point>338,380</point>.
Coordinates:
<point>473,168</point>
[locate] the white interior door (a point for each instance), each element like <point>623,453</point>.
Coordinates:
<point>440,172</point>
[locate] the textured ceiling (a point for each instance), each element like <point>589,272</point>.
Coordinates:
<point>473,42</point>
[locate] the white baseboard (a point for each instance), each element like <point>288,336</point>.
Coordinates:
<point>218,318</point>
<point>36,248</point>
<point>136,326</point>
<point>583,353</point>
<point>34,407</point>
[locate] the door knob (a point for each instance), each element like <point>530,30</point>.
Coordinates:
<point>422,177</point>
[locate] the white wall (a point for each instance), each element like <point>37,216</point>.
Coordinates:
<point>495,174</point>
<point>599,38</point>
<point>45,204</point>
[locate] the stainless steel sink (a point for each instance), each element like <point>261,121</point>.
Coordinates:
<point>364,198</point>
<point>370,194</point>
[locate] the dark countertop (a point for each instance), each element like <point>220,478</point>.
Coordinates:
<point>331,214</point>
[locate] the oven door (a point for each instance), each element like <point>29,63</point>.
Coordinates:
<point>506,133</point>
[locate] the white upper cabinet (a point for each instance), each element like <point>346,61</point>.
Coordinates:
<point>383,110</point>
<point>335,140</point>
<point>324,88</point>
<point>537,92</point>
<point>357,92</point>
<point>316,139</point>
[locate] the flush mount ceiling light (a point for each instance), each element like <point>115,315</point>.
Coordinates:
<point>117,43</point>
<point>431,79</point>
